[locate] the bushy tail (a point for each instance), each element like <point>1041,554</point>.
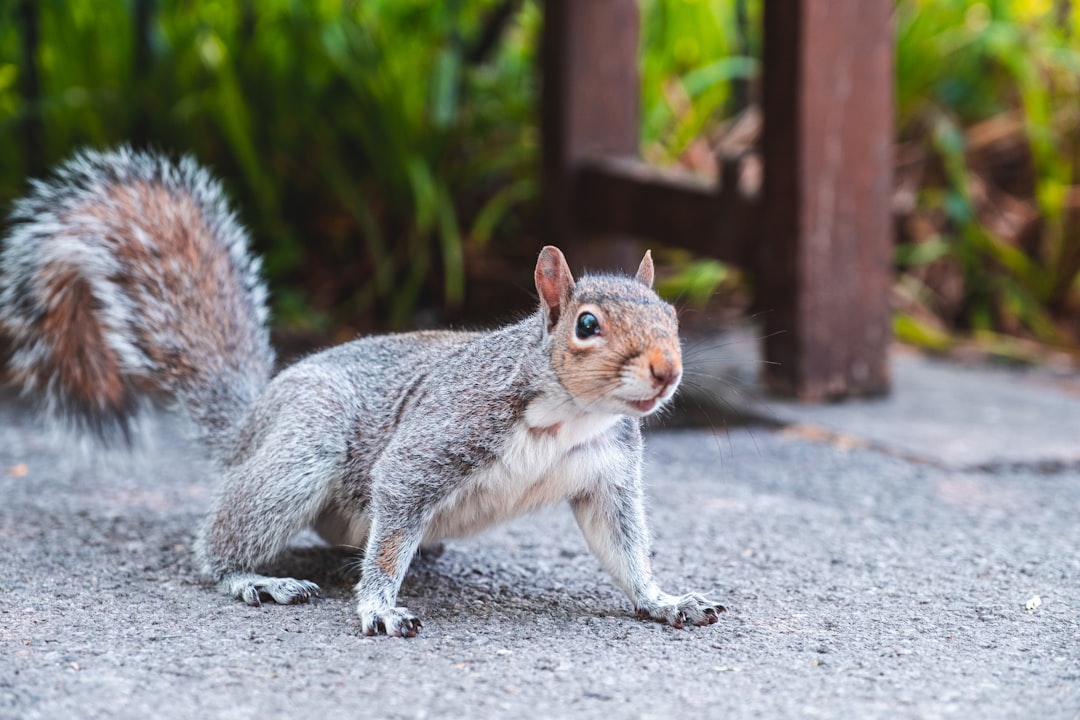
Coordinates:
<point>124,274</point>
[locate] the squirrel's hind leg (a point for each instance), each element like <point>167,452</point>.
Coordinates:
<point>235,540</point>
<point>246,531</point>
<point>277,490</point>
<point>253,589</point>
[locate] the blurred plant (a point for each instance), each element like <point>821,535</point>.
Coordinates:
<point>372,146</point>
<point>367,143</point>
<point>987,118</point>
<point>987,161</point>
<point>698,60</point>
<point>698,65</point>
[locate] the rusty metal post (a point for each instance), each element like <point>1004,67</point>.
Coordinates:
<point>824,266</point>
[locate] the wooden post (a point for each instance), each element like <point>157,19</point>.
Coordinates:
<point>590,103</point>
<point>824,266</point>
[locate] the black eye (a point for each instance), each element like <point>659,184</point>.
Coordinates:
<point>587,325</point>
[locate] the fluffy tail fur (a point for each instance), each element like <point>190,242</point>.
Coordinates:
<point>124,274</point>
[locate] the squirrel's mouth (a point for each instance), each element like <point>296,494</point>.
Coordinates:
<point>647,405</point>
<point>644,406</point>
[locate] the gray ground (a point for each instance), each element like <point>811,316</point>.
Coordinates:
<point>867,572</point>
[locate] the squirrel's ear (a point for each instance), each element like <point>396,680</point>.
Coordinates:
<point>553,283</point>
<point>645,270</point>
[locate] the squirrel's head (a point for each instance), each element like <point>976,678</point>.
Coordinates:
<point>615,343</point>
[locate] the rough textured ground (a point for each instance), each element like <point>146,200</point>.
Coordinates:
<point>859,583</point>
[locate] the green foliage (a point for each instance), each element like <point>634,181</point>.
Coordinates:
<point>365,150</point>
<point>968,66</point>
<point>370,151</point>
<point>916,332</point>
<point>696,282</point>
<point>987,104</point>
<point>693,54</point>
<point>699,60</point>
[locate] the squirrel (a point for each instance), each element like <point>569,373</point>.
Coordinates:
<point>125,275</point>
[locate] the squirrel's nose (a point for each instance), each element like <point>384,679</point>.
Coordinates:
<point>663,369</point>
<point>662,376</point>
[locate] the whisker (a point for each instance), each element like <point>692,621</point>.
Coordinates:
<point>712,425</point>
<point>736,340</point>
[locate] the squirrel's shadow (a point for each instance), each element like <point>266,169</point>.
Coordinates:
<point>337,569</point>
<point>434,575</point>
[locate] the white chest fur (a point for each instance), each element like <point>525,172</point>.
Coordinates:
<point>554,454</point>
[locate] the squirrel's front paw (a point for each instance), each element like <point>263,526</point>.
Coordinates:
<point>679,610</point>
<point>397,622</point>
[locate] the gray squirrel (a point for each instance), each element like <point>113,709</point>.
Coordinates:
<point>125,275</point>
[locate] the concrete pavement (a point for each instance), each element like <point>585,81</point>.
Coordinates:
<point>872,566</point>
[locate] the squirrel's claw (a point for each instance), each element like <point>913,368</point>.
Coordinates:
<point>679,611</point>
<point>395,622</point>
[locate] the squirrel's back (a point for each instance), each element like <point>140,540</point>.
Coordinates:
<point>125,273</point>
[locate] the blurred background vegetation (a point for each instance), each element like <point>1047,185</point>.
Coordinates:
<point>384,152</point>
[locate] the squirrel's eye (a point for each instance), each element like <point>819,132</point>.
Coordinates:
<point>587,325</point>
